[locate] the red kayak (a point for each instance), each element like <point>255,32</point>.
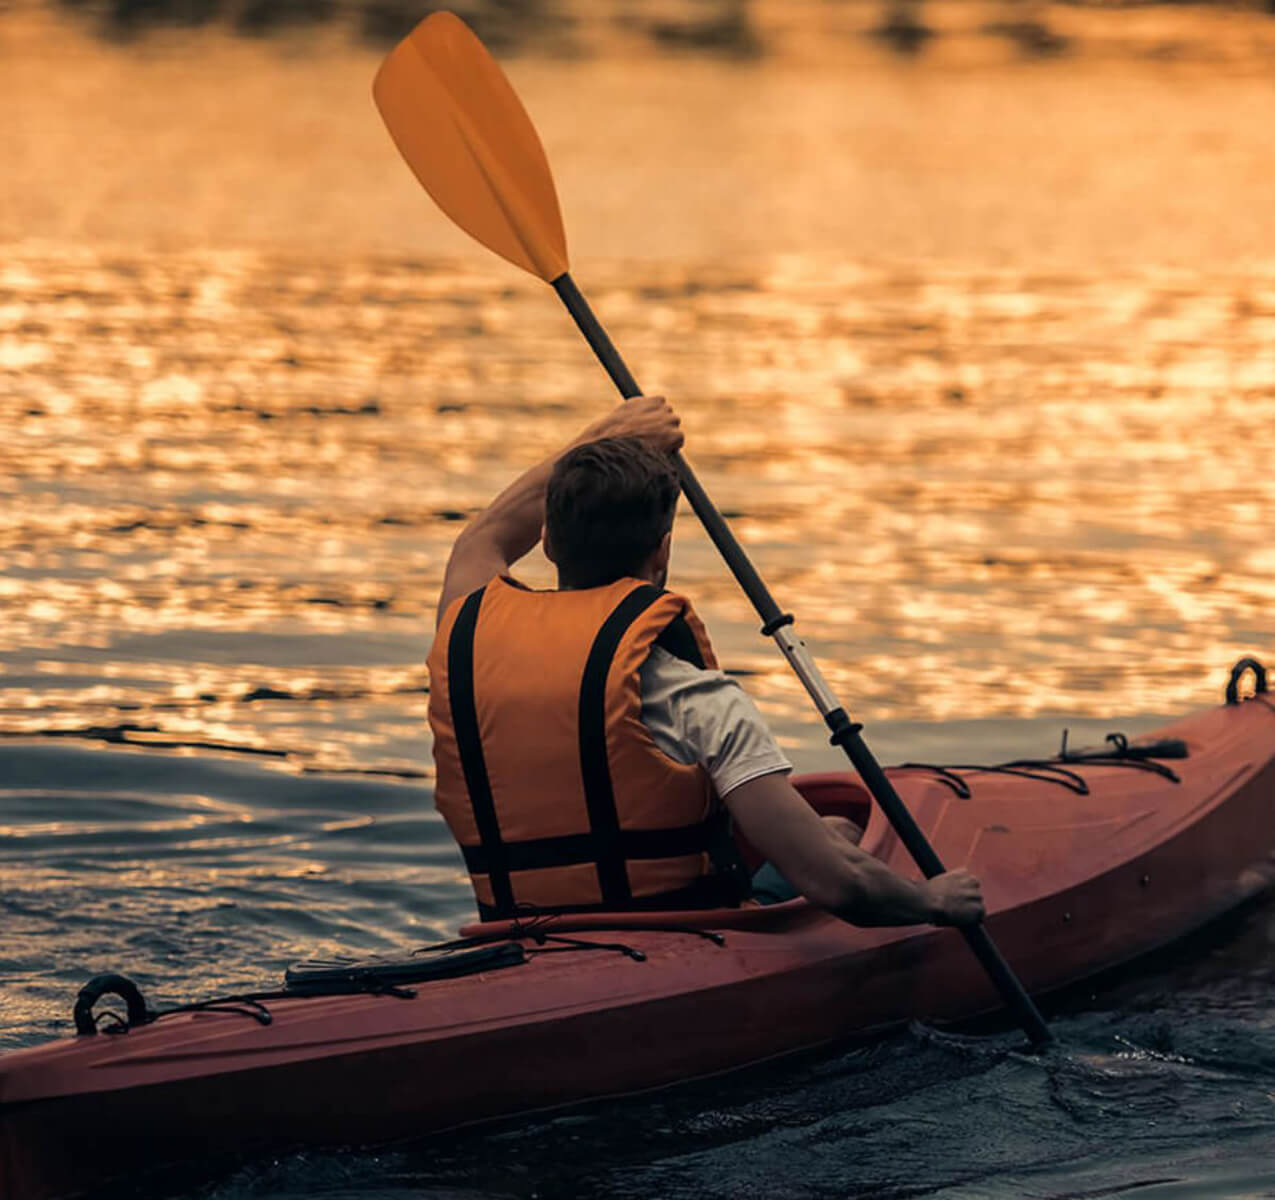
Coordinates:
<point>1086,862</point>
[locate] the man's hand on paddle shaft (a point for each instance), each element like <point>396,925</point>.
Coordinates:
<point>650,418</point>
<point>503,532</point>
<point>958,898</point>
<point>823,862</point>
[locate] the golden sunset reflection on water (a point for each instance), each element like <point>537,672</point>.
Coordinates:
<point>980,363</point>
<point>237,538</point>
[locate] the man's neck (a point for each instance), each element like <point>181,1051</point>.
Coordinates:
<point>566,586</point>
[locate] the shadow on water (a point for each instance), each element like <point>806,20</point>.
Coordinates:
<point>714,27</point>
<point>730,29</point>
<point>740,30</point>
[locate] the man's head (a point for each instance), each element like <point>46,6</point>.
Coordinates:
<point>609,513</point>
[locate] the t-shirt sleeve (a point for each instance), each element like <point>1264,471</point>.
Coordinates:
<point>705,717</point>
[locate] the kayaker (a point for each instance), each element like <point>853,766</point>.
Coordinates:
<point>589,753</point>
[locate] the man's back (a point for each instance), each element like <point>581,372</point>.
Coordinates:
<point>650,740</point>
<point>557,791</point>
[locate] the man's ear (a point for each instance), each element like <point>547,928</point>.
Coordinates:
<point>659,560</point>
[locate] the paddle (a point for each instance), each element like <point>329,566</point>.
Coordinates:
<point>462,129</point>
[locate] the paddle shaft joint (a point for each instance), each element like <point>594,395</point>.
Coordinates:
<point>778,625</point>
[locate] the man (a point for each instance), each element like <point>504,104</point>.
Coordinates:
<point>589,754</point>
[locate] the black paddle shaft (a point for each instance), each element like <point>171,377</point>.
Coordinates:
<point>777,624</point>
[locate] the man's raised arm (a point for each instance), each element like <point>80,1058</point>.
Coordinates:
<point>511,525</point>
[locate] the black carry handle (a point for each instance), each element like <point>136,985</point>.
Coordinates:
<point>1238,672</point>
<point>110,985</point>
<point>776,623</point>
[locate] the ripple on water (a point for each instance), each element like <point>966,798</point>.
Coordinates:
<point>1020,492</point>
<point>195,874</point>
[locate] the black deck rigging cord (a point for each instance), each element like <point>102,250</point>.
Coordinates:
<point>1138,756</point>
<point>361,977</point>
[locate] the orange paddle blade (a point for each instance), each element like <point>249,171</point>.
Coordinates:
<point>462,129</point>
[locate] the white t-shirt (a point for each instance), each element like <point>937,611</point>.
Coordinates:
<point>705,717</point>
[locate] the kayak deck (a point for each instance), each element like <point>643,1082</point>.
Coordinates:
<point>1075,882</point>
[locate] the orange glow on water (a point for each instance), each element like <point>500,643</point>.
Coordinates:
<point>992,410</point>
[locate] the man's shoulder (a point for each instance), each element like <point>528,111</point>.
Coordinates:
<point>701,694</point>
<point>669,670</point>
<point>709,717</point>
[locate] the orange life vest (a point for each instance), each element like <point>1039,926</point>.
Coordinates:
<point>555,790</point>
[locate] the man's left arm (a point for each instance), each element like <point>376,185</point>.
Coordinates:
<point>510,526</point>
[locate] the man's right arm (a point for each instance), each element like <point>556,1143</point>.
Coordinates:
<point>836,875</point>
<point>510,525</point>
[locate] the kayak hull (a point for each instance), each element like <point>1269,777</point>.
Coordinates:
<point>1075,884</point>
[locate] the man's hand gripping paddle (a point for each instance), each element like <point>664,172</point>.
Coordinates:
<point>468,139</point>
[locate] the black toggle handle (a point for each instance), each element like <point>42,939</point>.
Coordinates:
<point>109,985</point>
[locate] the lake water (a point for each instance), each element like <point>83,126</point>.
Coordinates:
<point>977,354</point>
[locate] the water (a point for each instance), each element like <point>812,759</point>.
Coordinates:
<point>976,354</point>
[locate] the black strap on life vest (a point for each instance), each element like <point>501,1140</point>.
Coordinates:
<point>469,744</point>
<point>567,850</point>
<point>709,891</point>
<point>606,845</point>
<point>679,641</point>
<point>595,767</point>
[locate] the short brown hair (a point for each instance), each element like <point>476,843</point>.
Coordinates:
<point>607,507</point>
